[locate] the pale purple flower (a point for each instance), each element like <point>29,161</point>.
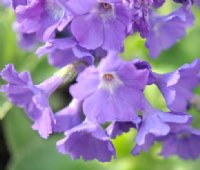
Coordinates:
<point>182,141</point>
<point>156,122</point>
<point>65,51</point>
<point>89,141</point>
<point>41,17</point>
<point>167,30</point>
<point>32,98</point>
<point>116,85</point>
<point>102,23</point>
<point>151,139</point>
<point>177,86</point>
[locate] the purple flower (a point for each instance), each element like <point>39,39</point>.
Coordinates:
<point>68,117</point>
<point>167,30</point>
<point>116,85</point>
<point>88,140</point>
<point>102,23</point>
<point>32,98</point>
<point>40,17</point>
<point>177,86</point>
<point>65,51</point>
<point>156,122</point>
<point>140,16</point>
<point>182,141</point>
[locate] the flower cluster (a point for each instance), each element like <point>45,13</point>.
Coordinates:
<point>88,26</point>
<point>112,93</point>
<point>84,38</point>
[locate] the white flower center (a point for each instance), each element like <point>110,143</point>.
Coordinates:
<point>109,81</point>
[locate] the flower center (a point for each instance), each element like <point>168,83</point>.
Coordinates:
<point>105,10</point>
<point>109,81</point>
<point>106,6</point>
<point>108,77</point>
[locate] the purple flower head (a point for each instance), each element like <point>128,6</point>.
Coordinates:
<point>117,128</point>
<point>140,16</point>
<point>65,51</point>
<point>103,23</point>
<point>151,138</point>
<point>167,30</point>
<point>32,98</point>
<point>41,17</point>
<point>156,122</point>
<point>88,140</point>
<point>116,85</point>
<point>182,141</point>
<point>177,86</point>
<point>68,117</point>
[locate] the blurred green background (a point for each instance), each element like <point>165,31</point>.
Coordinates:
<point>27,151</point>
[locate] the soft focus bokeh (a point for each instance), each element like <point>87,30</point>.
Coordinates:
<point>21,148</point>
